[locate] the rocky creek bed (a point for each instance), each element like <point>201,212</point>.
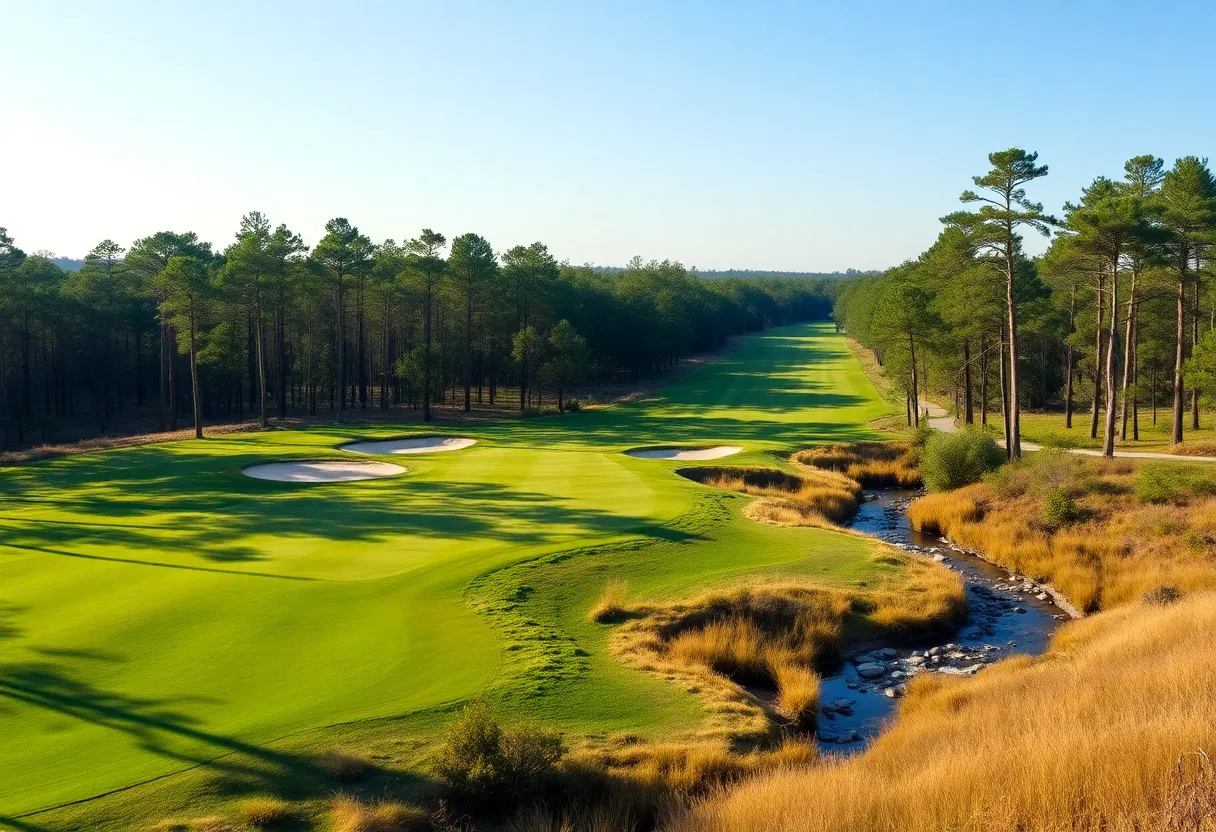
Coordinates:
<point>1008,614</point>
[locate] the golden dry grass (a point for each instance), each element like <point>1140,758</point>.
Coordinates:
<point>348,814</point>
<point>774,634</point>
<point>611,603</point>
<point>818,498</point>
<point>874,464</point>
<point>265,812</point>
<point>1104,732</point>
<point>1117,549</point>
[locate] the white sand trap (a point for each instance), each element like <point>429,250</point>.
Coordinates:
<point>414,445</point>
<point>322,471</point>
<point>685,454</point>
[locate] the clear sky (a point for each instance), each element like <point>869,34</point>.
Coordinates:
<point>798,136</point>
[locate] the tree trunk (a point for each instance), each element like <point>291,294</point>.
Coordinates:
<point>1004,372</point>
<point>1194,341</point>
<point>1179,337</point>
<point>1128,341</point>
<point>1070,361</point>
<point>983,381</point>
<point>1112,352</point>
<point>915,387</point>
<point>468,349</point>
<point>261,358</point>
<point>1093,415</point>
<point>426,351</point>
<point>339,301</point>
<point>1015,427</point>
<point>280,348</point>
<point>968,406</point>
<point>198,416</point>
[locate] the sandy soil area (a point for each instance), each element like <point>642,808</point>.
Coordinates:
<point>413,445</point>
<point>685,454</point>
<point>322,471</point>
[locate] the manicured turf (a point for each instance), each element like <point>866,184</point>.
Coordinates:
<point>159,610</point>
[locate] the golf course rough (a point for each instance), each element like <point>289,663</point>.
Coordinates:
<point>166,620</point>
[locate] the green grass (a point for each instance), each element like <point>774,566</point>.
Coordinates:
<point>1048,429</point>
<point>176,636</point>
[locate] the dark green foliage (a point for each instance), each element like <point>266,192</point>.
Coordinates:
<point>952,460</point>
<point>1059,508</point>
<point>483,761</point>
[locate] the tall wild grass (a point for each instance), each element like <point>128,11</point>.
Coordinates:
<point>1107,731</point>
<point>873,464</point>
<point>1104,532</point>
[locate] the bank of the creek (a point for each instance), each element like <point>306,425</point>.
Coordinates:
<point>1008,614</point>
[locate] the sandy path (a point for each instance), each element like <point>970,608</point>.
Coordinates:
<point>322,471</point>
<point>684,454</point>
<point>940,420</point>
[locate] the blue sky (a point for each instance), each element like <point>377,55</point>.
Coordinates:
<point>800,136</point>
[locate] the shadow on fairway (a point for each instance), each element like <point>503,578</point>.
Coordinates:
<point>158,726</point>
<point>216,510</point>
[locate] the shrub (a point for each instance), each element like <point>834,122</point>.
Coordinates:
<point>610,606</point>
<point>265,812</point>
<point>1171,483</point>
<point>573,406</point>
<point>350,815</point>
<point>1163,596</point>
<point>1156,484</point>
<point>485,762</point>
<point>797,693</point>
<point>344,767</point>
<point>952,460</point>
<point>1059,508</point>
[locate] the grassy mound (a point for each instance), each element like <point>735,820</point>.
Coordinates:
<point>819,499</point>
<point>776,635</point>
<point>873,464</point>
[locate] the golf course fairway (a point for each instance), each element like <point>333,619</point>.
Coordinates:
<point>170,626</point>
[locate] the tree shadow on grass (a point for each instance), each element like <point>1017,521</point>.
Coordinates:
<point>237,768</point>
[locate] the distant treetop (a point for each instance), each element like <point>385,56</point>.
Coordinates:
<point>748,273</point>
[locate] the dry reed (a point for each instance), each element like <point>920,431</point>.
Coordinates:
<point>873,464</point>
<point>1104,732</point>
<point>1118,548</point>
<point>789,499</point>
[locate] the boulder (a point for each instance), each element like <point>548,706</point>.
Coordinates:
<point>871,670</point>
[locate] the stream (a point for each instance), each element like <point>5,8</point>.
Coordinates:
<point>1008,614</point>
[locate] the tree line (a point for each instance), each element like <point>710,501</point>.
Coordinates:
<point>1118,315</point>
<point>267,326</point>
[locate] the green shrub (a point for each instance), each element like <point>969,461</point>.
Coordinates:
<point>486,762</point>
<point>1156,484</point>
<point>1171,483</point>
<point>1059,508</point>
<point>922,435</point>
<point>952,460</point>
<point>573,406</point>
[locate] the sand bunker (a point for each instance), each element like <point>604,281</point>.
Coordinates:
<point>685,454</point>
<point>413,445</point>
<point>322,471</point>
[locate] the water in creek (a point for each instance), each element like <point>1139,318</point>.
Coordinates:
<point>1008,614</point>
